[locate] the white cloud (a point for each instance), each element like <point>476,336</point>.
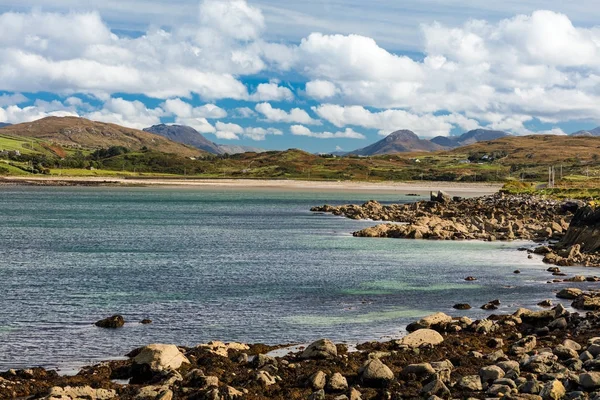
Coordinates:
<point>132,114</point>
<point>321,90</point>
<point>243,112</point>
<point>300,130</point>
<point>234,131</point>
<point>200,124</point>
<point>12,99</point>
<point>426,125</point>
<point>182,109</point>
<point>234,18</point>
<point>295,115</point>
<point>272,92</point>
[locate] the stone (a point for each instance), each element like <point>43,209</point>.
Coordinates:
<point>261,360</point>
<point>470,382</point>
<point>146,321</point>
<point>318,395</point>
<point>571,344</point>
<point>154,392</point>
<point>420,370</point>
<point>569,293</point>
<point>431,321</point>
<point>81,392</point>
<point>564,353</point>
<point>545,303</point>
<point>222,349</point>
<point>509,366</point>
<point>233,394</point>
<point>524,345</point>
<point>265,378</point>
<point>553,390</point>
<point>317,380</point>
<point>320,350</point>
<point>491,373</point>
<point>114,322</point>
<point>422,337</point>
<point>498,390</point>
<point>337,383</point>
<point>436,388</point>
<point>375,373</point>
<point>590,381</point>
<point>160,357</point>
<point>462,306</point>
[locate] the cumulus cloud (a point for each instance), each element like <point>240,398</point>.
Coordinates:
<point>243,112</point>
<point>387,121</point>
<point>12,99</point>
<point>132,114</point>
<point>348,133</point>
<point>321,90</point>
<point>295,115</point>
<point>230,131</point>
<point>272,92</point>
<point>182,109</point>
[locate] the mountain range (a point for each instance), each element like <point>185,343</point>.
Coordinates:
<point>191,137</point>
<point>3,124</point>
<point>592,132</point>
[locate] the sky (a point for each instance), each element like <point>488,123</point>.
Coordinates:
<point>333,75</point>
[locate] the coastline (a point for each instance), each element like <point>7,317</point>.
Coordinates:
<point>455,188</point>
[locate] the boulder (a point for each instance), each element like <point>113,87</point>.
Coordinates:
<point>80,392</point>
<point>375,373</point>
<point>470,382</point>
<point>116,321</point>
<point>337,383</point>
<point>569,293</point>
<point>491,373</point>
<point>590,381</point>
<point>422,337</point>
<point>222,349</point>
<point>420,370</point>
<point>586,303</point>
<point>161,357</point>
<point>436,388</point>
<point>317,380</point>
<point>265,378</point>
<point>437,320</point>
<point>553,390</point>
<point>320,350</point>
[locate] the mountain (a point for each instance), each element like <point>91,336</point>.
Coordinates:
<point>80,132</point>
<point>474,136</point>
<point>3,124</point>
<point>397,142</point>
<point>233,149</point>
<point>186,135</point>
<point>592,132</point>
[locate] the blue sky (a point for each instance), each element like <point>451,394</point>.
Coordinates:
<point>317,75</point>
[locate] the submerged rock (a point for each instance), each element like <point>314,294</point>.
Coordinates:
<point>116,321</point>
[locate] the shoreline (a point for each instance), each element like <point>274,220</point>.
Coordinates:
<point>268,184</point>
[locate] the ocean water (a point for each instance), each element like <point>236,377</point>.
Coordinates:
<point>234,265</point>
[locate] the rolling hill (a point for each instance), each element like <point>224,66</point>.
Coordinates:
<point>86,134</point>
<point>3,124</point>
<point>402,141</point>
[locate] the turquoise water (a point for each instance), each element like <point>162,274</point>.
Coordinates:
<point>231,265</point>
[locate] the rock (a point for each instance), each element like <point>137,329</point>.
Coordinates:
<point>261,360</point>
<point>440,197</point>
<point>80,392</point>
<point>569,293</point>
<point>587,303</point>
<point>517,271</point>
<point>337,383</point>
<point>571,344</point>
<point>375,373</point>
<point>553,390</point>
<point>470,382</point>
<point>438,320</point>
<point>462,306</point>
<point>422,337</point>
<point>420,370</point>
<point>470,279</point>
<point>498,390</point>
<point>559,323</point>
<point>355,394</point>
<point>318,395</point>
<point>154,392</point>
<point>495,343</point>
<point>160,357</point>
<point>265,378</point>
<point>116,321</point>
<point>491,373</point>
<point>436,388</point>
<point>146,321</point>
<point>545,303</point>
<point>564,353</point>
<point>590,381</point>
<point>319,350</point>
<point>509,366</point>
<point>524,345</point>
<point>317,380</point>
<point>233,394</point>
<point>222,349</point>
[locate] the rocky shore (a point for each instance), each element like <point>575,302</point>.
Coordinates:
<point>548,354</point>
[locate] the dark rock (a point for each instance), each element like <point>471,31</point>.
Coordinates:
<point>116,321</point>
<point>146,321</point>
<point>462,306</point>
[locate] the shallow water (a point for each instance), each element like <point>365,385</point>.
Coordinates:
<point>231,265</point>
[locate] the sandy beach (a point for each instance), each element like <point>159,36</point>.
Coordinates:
<point>422,188</point>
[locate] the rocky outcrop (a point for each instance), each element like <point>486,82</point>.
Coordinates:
<point>116,321</point>
<point>497,217</point>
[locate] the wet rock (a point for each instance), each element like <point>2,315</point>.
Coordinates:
<point>569,293</point>
<point>422,337</point>
<point>545,303</point>
<point>320,350</point>
<point>587,303</point>
<point>462,306</point>
<point>375,373</point>
<point>116,321</point>
<point>146,321</point>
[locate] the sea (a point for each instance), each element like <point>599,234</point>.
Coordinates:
<point>246,265</point>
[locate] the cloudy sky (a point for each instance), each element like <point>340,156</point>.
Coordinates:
<point>318,75</point>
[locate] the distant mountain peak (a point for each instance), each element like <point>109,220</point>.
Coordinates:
<point>400,141</point>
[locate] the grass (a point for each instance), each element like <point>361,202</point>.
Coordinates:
<point>75,172</point>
